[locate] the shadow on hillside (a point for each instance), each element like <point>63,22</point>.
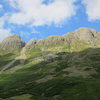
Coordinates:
<point>24,80</point>
<point>6,55</point>
<point>6,58</point>
<point>89,57</point>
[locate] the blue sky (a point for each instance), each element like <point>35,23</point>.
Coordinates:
<point>39,19</point>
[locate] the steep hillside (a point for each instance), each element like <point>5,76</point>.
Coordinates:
<point>82,36</point>
<point>56,68</point>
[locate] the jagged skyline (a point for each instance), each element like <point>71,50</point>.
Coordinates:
<point>47,17</point>
<point>85,35</point>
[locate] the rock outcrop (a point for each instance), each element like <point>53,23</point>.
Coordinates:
<point>30,45</point>
<point>87,35</point>
<point>12,43</point>
<point>83,34</point>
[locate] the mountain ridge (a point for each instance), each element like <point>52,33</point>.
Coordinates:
<point>56,68</point>
<point>87,35</point>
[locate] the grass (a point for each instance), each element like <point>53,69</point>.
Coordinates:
<point>17,85</point>
<point>5,58</point>
<point>67,88</point>
<point>21,97</point>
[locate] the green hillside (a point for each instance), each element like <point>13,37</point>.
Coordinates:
<point>6,57</point>
<point>66,71</point>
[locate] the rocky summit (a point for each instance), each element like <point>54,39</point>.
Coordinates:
<point>12,43</point>
<point>89,36</point>
<point>86,35</point>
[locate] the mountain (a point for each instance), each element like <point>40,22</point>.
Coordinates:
<point>86,35</point>
<point>56,68</point>
<point>12,43</point>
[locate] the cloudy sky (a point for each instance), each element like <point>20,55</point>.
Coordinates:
<point>39,19</point>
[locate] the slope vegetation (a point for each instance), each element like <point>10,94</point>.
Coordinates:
<point>57,68</point>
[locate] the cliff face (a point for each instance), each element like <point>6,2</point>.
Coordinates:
<point>90,36</point>
<point>12,43</point>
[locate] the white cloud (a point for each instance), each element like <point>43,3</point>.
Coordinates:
<point>34,31</point>
<point>4,32</point>
<point>92,9</point>
<point>36,13</point>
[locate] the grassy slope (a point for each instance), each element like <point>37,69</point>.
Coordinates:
<point>24,82</point>
<point>5,58</point>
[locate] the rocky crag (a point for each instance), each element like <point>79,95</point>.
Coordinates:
<point>86,35</point>
<point>89,36</point>
<point>12,43</point>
